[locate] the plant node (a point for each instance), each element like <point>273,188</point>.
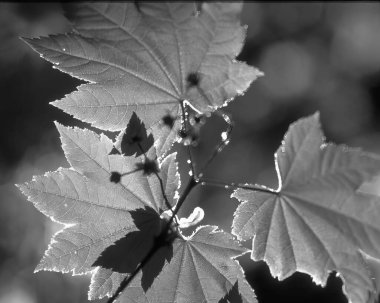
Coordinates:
<point>148,166</point>
<point>193,79</point>
<point>115,177</point>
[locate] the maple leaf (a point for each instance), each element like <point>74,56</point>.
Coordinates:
<point>316,221</point>
<point>111,226</point>
<point>96,212</point>
<point>201,269</point>
<point>149,60</point>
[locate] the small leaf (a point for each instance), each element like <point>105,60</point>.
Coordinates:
<point>135,140</point>
<point>317,221</point>
<point>195,217</point>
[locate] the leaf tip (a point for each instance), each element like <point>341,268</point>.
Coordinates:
<point>55,103</point>
<point>316,115</point>
<point>259,73</point>
<point>56,123</point>
<point>22,188</point>
<point>25,39</point>
<point>39,267</point>
<point>61,128</point>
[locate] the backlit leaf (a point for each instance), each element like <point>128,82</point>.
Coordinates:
<point>96,212</point>
<point>147,60</point>
<point>318,220</point>
<point>88,153</point>
<point>126,253</point>
<point>201,270</point>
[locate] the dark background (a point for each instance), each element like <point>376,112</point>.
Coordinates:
<point>316,56</point>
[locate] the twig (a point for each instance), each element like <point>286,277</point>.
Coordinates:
<point>157,244</point>
<point>158,177</point>
<point>210,182</point>
<point>224,141</point>
<point>129,279</point>
<point>130,172</point>
<point>188,147</point>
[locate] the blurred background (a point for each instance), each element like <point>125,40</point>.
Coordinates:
<point>316,57</point>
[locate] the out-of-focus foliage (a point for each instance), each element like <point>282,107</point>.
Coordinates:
<point>318,56</point>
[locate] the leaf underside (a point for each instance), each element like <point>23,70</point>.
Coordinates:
<point>148,59</point>
<point>318,220</point>
<point>201,270</point>
<point>140,60</point>
<point>95,211</point>
<point>126,253</point>
<point>108,223</point>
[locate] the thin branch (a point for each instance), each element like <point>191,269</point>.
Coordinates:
<point>130,172</point>
<point>190,185</point>
<point>157,243</point>
<point>163,190</point>
<point>217,183</point>
<point>158,177</point>
<point>129,279</point>
<point>225,140</point>
<point>188,147</point>
<point>116,176</point>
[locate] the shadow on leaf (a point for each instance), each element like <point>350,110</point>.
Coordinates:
<point>135,140</point>
<point>126,253</point>
<point>233,296</point>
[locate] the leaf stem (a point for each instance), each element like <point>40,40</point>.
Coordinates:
<point>217,183</point>
<point>225,140</point>
<point>130,172</point>
<point>188,147</point>
<point>159,179</point>
<point>190,185</point>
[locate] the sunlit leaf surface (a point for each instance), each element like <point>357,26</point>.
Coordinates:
<point>148,59</point>
<point>317,221</point>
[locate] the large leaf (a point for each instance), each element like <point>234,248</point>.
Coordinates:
<point>201,270</point>
<point>111,227</point>
<point>95,211</point>
<point>317,221</point>
<point>148,60</point>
